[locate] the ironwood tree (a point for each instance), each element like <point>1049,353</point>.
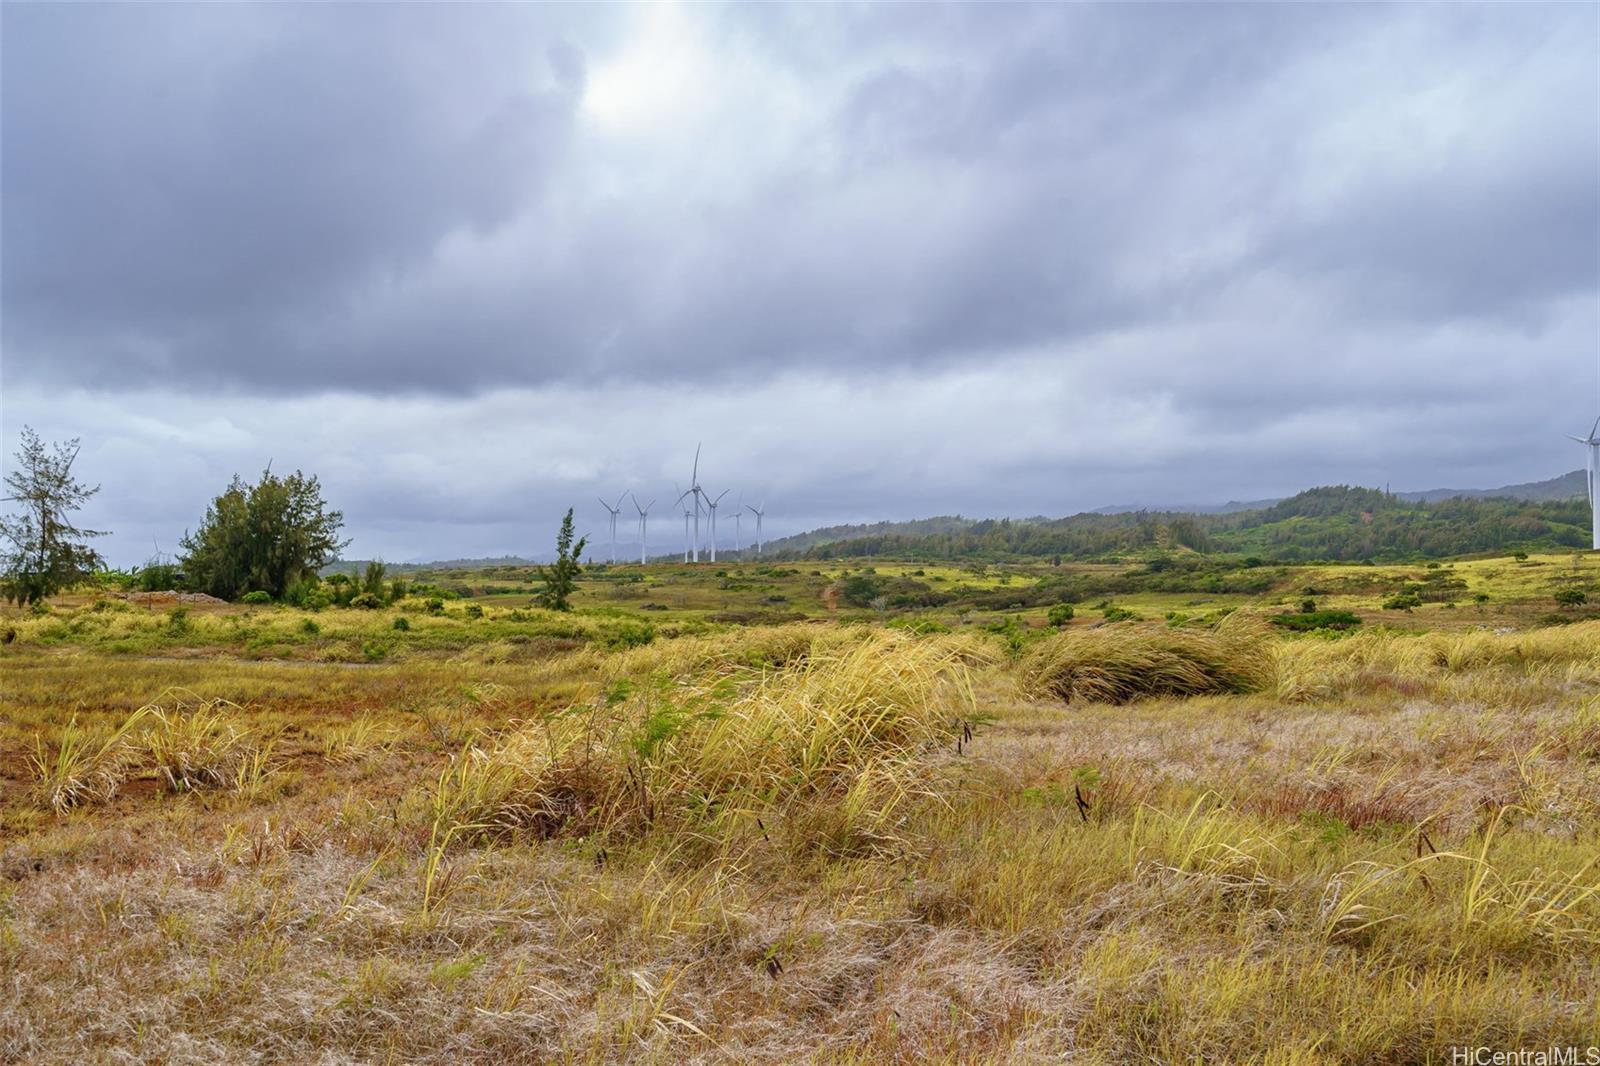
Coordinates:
<point>262,537</point>
<point>561,577</point>
<point>43,551</point>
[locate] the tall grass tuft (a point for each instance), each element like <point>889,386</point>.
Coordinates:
<point>839,722</point>
<point>1122,664</point>
<point>83,766</point>
<point>195,744</point>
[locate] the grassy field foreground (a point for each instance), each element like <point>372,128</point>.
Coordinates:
<point>842,843</point>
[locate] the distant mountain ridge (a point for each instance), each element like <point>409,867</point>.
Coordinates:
<point>1338,522</point>
<point>1565,487</point>
<point>1229,521</point>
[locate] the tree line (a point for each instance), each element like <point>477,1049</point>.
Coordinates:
<point>1332,524</point>
<point>257,542</point>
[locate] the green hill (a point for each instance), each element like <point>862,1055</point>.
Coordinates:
<point>1334,523</point>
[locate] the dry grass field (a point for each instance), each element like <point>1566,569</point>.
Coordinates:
<point>229,838</point>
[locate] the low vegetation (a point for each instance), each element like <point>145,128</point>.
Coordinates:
<point>1120,665</point>
<point>913,834</point>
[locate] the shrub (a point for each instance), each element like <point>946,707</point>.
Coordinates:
<point>627,635</point>
<point>310,628</point>
<point>1113,613</point>
<point>1309,620</point>
<point>1123,665</point>
<point>256,596</point>
<point>366,601</point>
<point>1571,597</point>
<point>1402,601</point>
<point>402,623</point>
<point>1060,614</point>
<point>474,610</point>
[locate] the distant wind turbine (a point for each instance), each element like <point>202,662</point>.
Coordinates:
<point>613,511</point>
<point>686,541</point>
<point>697,493</point>
<point>711,505</point>
<point>738,537</point>
<point>758,512</point>
<point>644,516</point>
<point>1592,442</point>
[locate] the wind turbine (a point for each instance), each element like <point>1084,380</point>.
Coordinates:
<point>758,512</point>
<point>711,505</point>
<point>644,516</point>
<point>696,492</point>
<point>686,540</point>
<point>613,511</point>
<point>738,539</point>
<point>1592,441</point>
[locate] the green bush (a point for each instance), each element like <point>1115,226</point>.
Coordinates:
<point>1402,601</point>
<point>434,605</point>
<point>256,596</point>
<point>402,623</point>
<point>474,610</point>
<point>627,635</point>
<point>1571,597</point>
<point>366,601</point>
<point>1060,614</point>
<point>1113,613</point>
<point>1306,621</point>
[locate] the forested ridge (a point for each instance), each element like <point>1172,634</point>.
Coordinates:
<point>1335,523</point>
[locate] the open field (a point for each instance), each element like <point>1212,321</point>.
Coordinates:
<point>497,833</point>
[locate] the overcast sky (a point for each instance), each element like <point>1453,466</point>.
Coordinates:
<point>475,264</point>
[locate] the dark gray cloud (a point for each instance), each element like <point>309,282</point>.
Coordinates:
<point>409,197</point>
<point>467,261</point>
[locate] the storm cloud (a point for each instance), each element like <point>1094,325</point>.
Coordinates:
<point>475,263</point>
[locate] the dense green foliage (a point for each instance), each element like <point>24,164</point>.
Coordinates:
<point>561,577</point>
<point>1336,524</point>
<point>1305,621</point>
<point>43,551</point>
<point>265,537</point>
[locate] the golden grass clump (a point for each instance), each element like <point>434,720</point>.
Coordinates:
<point>838,722</point>
<point>1121,664</point>
<point>83,767</point>
<point>197,745</point>
<point>1319,669</point>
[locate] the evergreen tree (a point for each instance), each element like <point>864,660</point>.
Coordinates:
<point>560,578</point>
<point>43,551</point>
<point>262,537</point>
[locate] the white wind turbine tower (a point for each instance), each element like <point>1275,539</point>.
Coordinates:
<point>1592,442</point>
<point>697,492</point>
<point>738,537</point>
<point>711,505</point>
<point>613,511</point>
<point>758,512</point>
<point>686,541</point>
<point>644,516</point>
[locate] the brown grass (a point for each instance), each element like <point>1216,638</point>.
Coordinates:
<point>792,846</point>
<point>1120,664</point>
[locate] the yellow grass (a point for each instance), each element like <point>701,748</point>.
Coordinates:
<point>807,843</point>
